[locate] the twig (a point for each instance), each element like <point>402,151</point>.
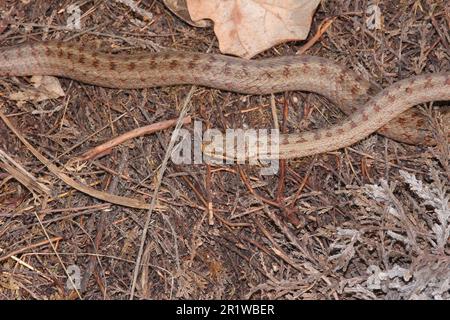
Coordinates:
<point>161,172</point>
<point>20,174</point>
<point>252,191</point>
<point>106,147</point>
<point>321,30</point>
<point>122,201</point>
<point>32,246</point>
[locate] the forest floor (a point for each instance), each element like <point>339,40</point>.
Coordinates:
<point>370,221</point>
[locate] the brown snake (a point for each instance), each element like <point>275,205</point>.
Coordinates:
<point>389,111</point>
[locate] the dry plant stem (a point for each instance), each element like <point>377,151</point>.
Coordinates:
<point>176,132</point>
<point>123,201</point>
<point>349,91</point>
<point>106,147</point>
<point>22,175</point>
<point>306,73</point>
<point>35,245</point>
<point>323,27</point>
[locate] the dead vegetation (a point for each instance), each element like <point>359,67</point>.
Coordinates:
<point>368,222</point>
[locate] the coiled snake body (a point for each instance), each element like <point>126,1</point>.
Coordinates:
<point>389,111</point>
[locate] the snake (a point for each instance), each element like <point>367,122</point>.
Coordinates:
<point>369,109</point>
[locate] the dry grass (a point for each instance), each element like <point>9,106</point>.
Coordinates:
<point>372,221</point>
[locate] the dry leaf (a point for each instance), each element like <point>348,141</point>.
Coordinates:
<point>45,88</point>
<point>245,28</point>
<point>179,8</point>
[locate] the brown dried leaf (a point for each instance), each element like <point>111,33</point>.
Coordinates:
<point>45,88</point>
<point>179,8</point>
<point>245,28</point>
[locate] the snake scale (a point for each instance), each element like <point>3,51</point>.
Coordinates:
<point>387,111</point>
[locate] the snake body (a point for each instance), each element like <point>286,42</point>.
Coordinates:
<point>389,111</point>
